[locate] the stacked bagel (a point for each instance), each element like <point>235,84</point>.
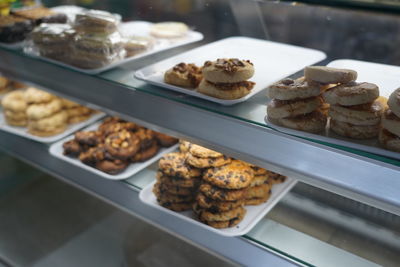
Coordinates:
<point>389,135</point>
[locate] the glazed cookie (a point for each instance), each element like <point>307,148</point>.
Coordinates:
<point>327,75</point>
<point>257,201</point>
<point>165,140</point>
<point>217,206</point>
<point>226,91</point>
<point>277,109</point>
<point>235,175</point>
<point>147,153</point>
<point>206,215</point>
<point>202,152</point>
<point>174,164</point>
<point>72,148</point>
<point>176,190</point>
<point>351,94</point>
<point>184,146</point>
<point>391,122</point>
<point>313,122</point>
<point>230,70</point>
<point>394,102</point>
<point>207,162</point>
<point>221,194</point>
<point>225,224</point>
<point>185,75</point>
<point>89,138</point>
<point>122,144</point>
<point>389,141</point>
<point>177,181</point>
<point>15,101</point>
<point>36,96</point>
<point>354,131</point>
<point>365,114</point>
<point>43,110</point>
<point>289,89</point>
<point>163,195</point>
<point>258,191</point>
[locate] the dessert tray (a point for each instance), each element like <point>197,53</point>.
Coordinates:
<point>57,151</point>
<point>253,215</point>
<point>385,76</point>
<point>272,62</point>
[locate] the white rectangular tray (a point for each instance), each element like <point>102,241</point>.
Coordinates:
<point>386,77</point>
<point>253,215</point>
<point>272,62</point>
<point>57,151</point>
<point>23,131</point>
<point>139,28</point>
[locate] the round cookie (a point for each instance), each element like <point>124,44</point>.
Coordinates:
<point>230,70</point>
<point>93,155</point>
<point>259,180</point>
<point>111,166</point>
<point>221,194</point>
<point>78,111</point>
<point>78,119</point>
<point>217,206</point>
<point>206,162</point>
<point>391,122</point>
<point>56,120</point>
<point>33,95</point>
<point>184,75</point>
<point>351,94</point>
<point>114,127</point>
<point>389,141</point>
<point>169,29</point>
<point>43,110</point>
<point>174,164</point>
<point>277,109</point>
<point>15,101</point>
<point>68,104</point>
<point>354,131</point>
<point>72,148</point>
<point>122,145</point>
<point>327,75</point>
<point>89,138</point>
<point>147,153</point>
<point>177,181</point>
<point>184,146</point>
<point>394,102</point>
<point>258,170</point>
<point>225,224</point>
<point>163,195</point>
<point>276,178</point>
<point>289,89</point>
<point>46,133</point>
<point>176,190</point>
<point>146,137</point>
<point>313,122</point>
<point>235,175</point>
<point>257,201</point>
<point>17,116</point>
<point>181,206</point>
<point>18,123</point>
<point>165,140</point>
<point>365,114</point>
<point>228,91</point>
<point>202,152</point>
<point>258,191</point>
<point>206,215</point>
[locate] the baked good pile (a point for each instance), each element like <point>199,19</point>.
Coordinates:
<point>42,113</point>
<point>211,184</point>
<point>116,144</point>
<point>223,78</point>
<point>389,135</point>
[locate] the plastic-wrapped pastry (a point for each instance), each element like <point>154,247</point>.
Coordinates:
<point>169,29</point>
<point>53,40</point>
<point>137,44</point>
<point>14,29</point>
<point>40,15</point>
<point>96,21</point>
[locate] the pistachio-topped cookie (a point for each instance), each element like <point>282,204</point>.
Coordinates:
<point>228,70</point>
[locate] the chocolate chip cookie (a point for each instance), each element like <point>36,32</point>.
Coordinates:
<point>174,164</point>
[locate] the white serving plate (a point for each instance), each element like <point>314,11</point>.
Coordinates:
<point>386,77</point>
<point>23,131</point>
<point>272,62</point>
<point>139,28</point>
<point>57,151</point>
<point>253,215</point>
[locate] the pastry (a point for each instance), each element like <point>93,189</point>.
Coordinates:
<point>96,21</point>
<point>78,119</point>
<point>391,122</point>
<point>43,110</point>
<point>289,89</point>
<point>174,164</point>
<point>89,138</point>
<point>351,94</point>
<point>135,45</point>
<point>72,148</point>
<point>122,145</point>
<point>111,166</point>
<point>94,154</point>
<point>354,131</point>
<point>165,140</point>
<point>222,194</point>
<point>36,96</point>
<point>15,101</point>
<point>207,162</point>
<point>278,109</point>
<point>327,75</point>
<point>313,122</point>
<point>147,153</point>
<point>185,75</point>
<point>230,70</point>
<point>40,15</point>
<point>177,181</point>
<point>169,29</point>
<point>217,206</point>
<point>14,29</point>
<point>146,138</point>
<point>394,102</point>
<point>206,215</point>
<point>228,91</point>
<point>235,175</point>
<point>113,126</point>
<point>389,141</point>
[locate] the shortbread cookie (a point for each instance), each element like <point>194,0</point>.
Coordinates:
<point>289,89</point>
<point>230,70</point>
<point>169,29</point>
<point>15,101</point>
<point>394,102</point>
<point>207,162</point>
<point>235,175</point>
<point>257,200</point>
<point>203,152</point>
<point>206,215</point>
<point>258,191</point>
<point>33,95</point>
<point>221,194</point>
<point>351,94</point>
<point>185,75</point>
<point>327,75</point>
<point>217,206</point>
<point>226,91</point>
<point>391,122</point>
<point>177,181</point>
<point>122,145</point>
<point>389,141</point>
<point>354,131</point>
<point>365,114</point>
<point>313,122</point>
<point>174,164</point>
<point>43,110</point>
<point>290,108</point>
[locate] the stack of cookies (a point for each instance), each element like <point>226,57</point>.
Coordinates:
<point>259,190</point>
<point>15,106</point>
<point>227,78</point>
<point>296,104</point>
<point>355,108</point>
<point>76,113</point>
<point>184,75</point>
<point>177,182</point>
<point>389,135</point>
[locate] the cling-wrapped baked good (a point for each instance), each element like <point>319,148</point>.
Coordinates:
<point>137,44</point>
<point>96,21</point>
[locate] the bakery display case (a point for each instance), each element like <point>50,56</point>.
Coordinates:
<point>344,209</point>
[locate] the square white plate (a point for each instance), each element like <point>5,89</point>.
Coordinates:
<point>386,77</point>
<point>253,215</point>
<point>272,62</point>
<point>139,28</point>
<point>57,151</point>
<point>23,131</point>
